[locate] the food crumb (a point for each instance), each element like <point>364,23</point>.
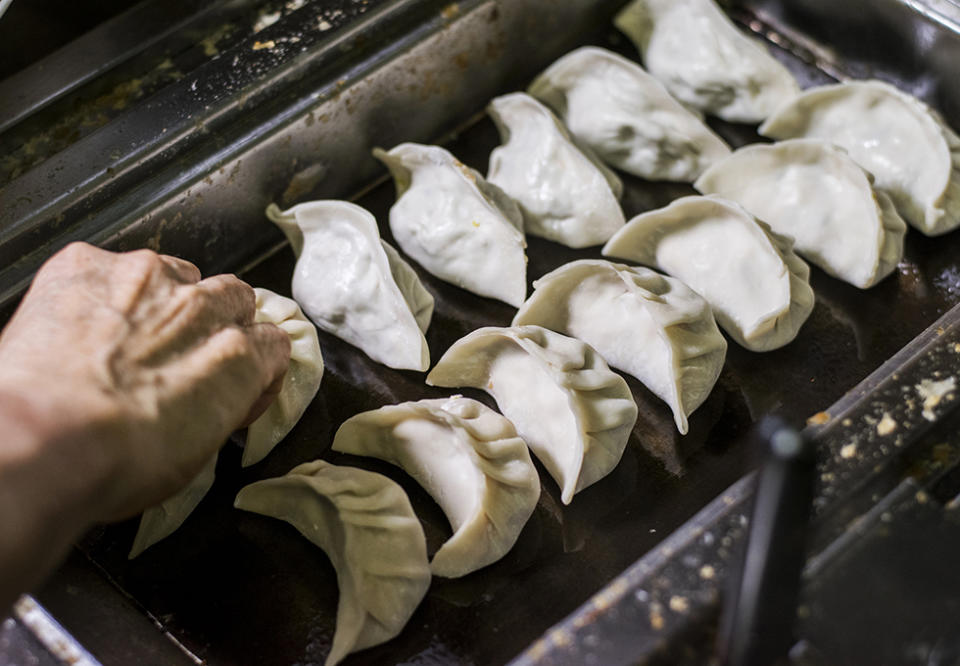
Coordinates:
<point>269,44</point>
<point>679,604</point>
<point>324,25</point>
<point>265,21</point>
<point>819,418</point>
<point>922,497</point>
<point>848,451</point>
<point>450,11</point>
<point>956,347</point>
<point>887,425</point>
<point>707,572</point>
<point>656,617</point>
<point>932,393</point>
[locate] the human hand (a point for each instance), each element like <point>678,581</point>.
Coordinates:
<point>133,371</point>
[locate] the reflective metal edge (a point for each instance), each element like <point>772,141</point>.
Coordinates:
<point>51,634</point>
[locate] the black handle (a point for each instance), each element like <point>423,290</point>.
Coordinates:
<point>759,613</point>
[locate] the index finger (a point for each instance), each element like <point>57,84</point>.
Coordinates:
<point>180,270</point>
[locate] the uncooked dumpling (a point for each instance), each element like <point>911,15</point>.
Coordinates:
<point>649,325</point>
<point>300,383</point>
<point>757,286</point>
<point>470,460</point>
<point>815,193</point>
<point>455,224</point>
<point>704,60</point>
<point>160,521</point>
<point>627,117</point>
<point>353,285</point>
<point>564,194</point>
<point>912,154</point>
<point>364,523</point>
<point>572,410</point>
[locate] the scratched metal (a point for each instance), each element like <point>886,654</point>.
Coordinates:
<point>238,588</point>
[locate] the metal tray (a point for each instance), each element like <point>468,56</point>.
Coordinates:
<point>237,588</point>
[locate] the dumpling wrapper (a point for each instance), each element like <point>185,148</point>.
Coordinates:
<point>364,523</point>
<point>700,56</point>
<point>913,156</point>
<point>574,413</point>
<point>455,224</point>
<point>815,193</point>
<point>649,325</point>
<point>627,117</point>
<point>354,285</point>
<point>300,383</point>
<point>757,286</point>
<point>468,458</point>
<point>565,195</point>
<point>160,521</point>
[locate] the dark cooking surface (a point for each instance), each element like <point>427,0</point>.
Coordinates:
<point>240,588</point>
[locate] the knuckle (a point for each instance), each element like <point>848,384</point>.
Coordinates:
<point>234,344</point>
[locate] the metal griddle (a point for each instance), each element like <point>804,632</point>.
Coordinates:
<point>247,126</point>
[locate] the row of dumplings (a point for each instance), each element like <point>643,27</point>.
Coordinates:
<point>852,158</point>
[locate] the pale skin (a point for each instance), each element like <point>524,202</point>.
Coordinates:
<point>120,375</point>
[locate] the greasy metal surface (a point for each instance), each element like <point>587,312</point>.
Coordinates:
<point>88,57</point>
<point>96,162</point>
<point>210,583</point>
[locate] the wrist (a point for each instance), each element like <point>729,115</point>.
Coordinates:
<point>49,457</point>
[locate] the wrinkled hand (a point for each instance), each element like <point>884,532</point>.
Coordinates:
<point>136,370</point>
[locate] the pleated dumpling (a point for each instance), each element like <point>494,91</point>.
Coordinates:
<point>815,193</point>
<point>627,117</point>
<point>160,521</point>
<point>565,195</point>
<point>701,57</point>
<point>455,224</point>
<point>757,286</point>
<point>572,410</point>
<point>649,325</point>
<point>364,523</point>
<point>470,460</point>
<point>913,156</point>
<point>300,383</point>
<point>355,286</point>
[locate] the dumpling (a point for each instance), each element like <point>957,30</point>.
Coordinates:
<point>649,325</point>
<point>627,117</point>
<point>470,460</point>
<point>160,521</point>
<point>300,386</point>
<point>455,224</point>
<point>815,193</point>
<point>704,60</point>
<point>364,523</point>
<point>912,154</point>
<point>565,195</point>
<point>300,383</point>
<point>757,286</point>
<point>355,286</point>
<point>574,413</point>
